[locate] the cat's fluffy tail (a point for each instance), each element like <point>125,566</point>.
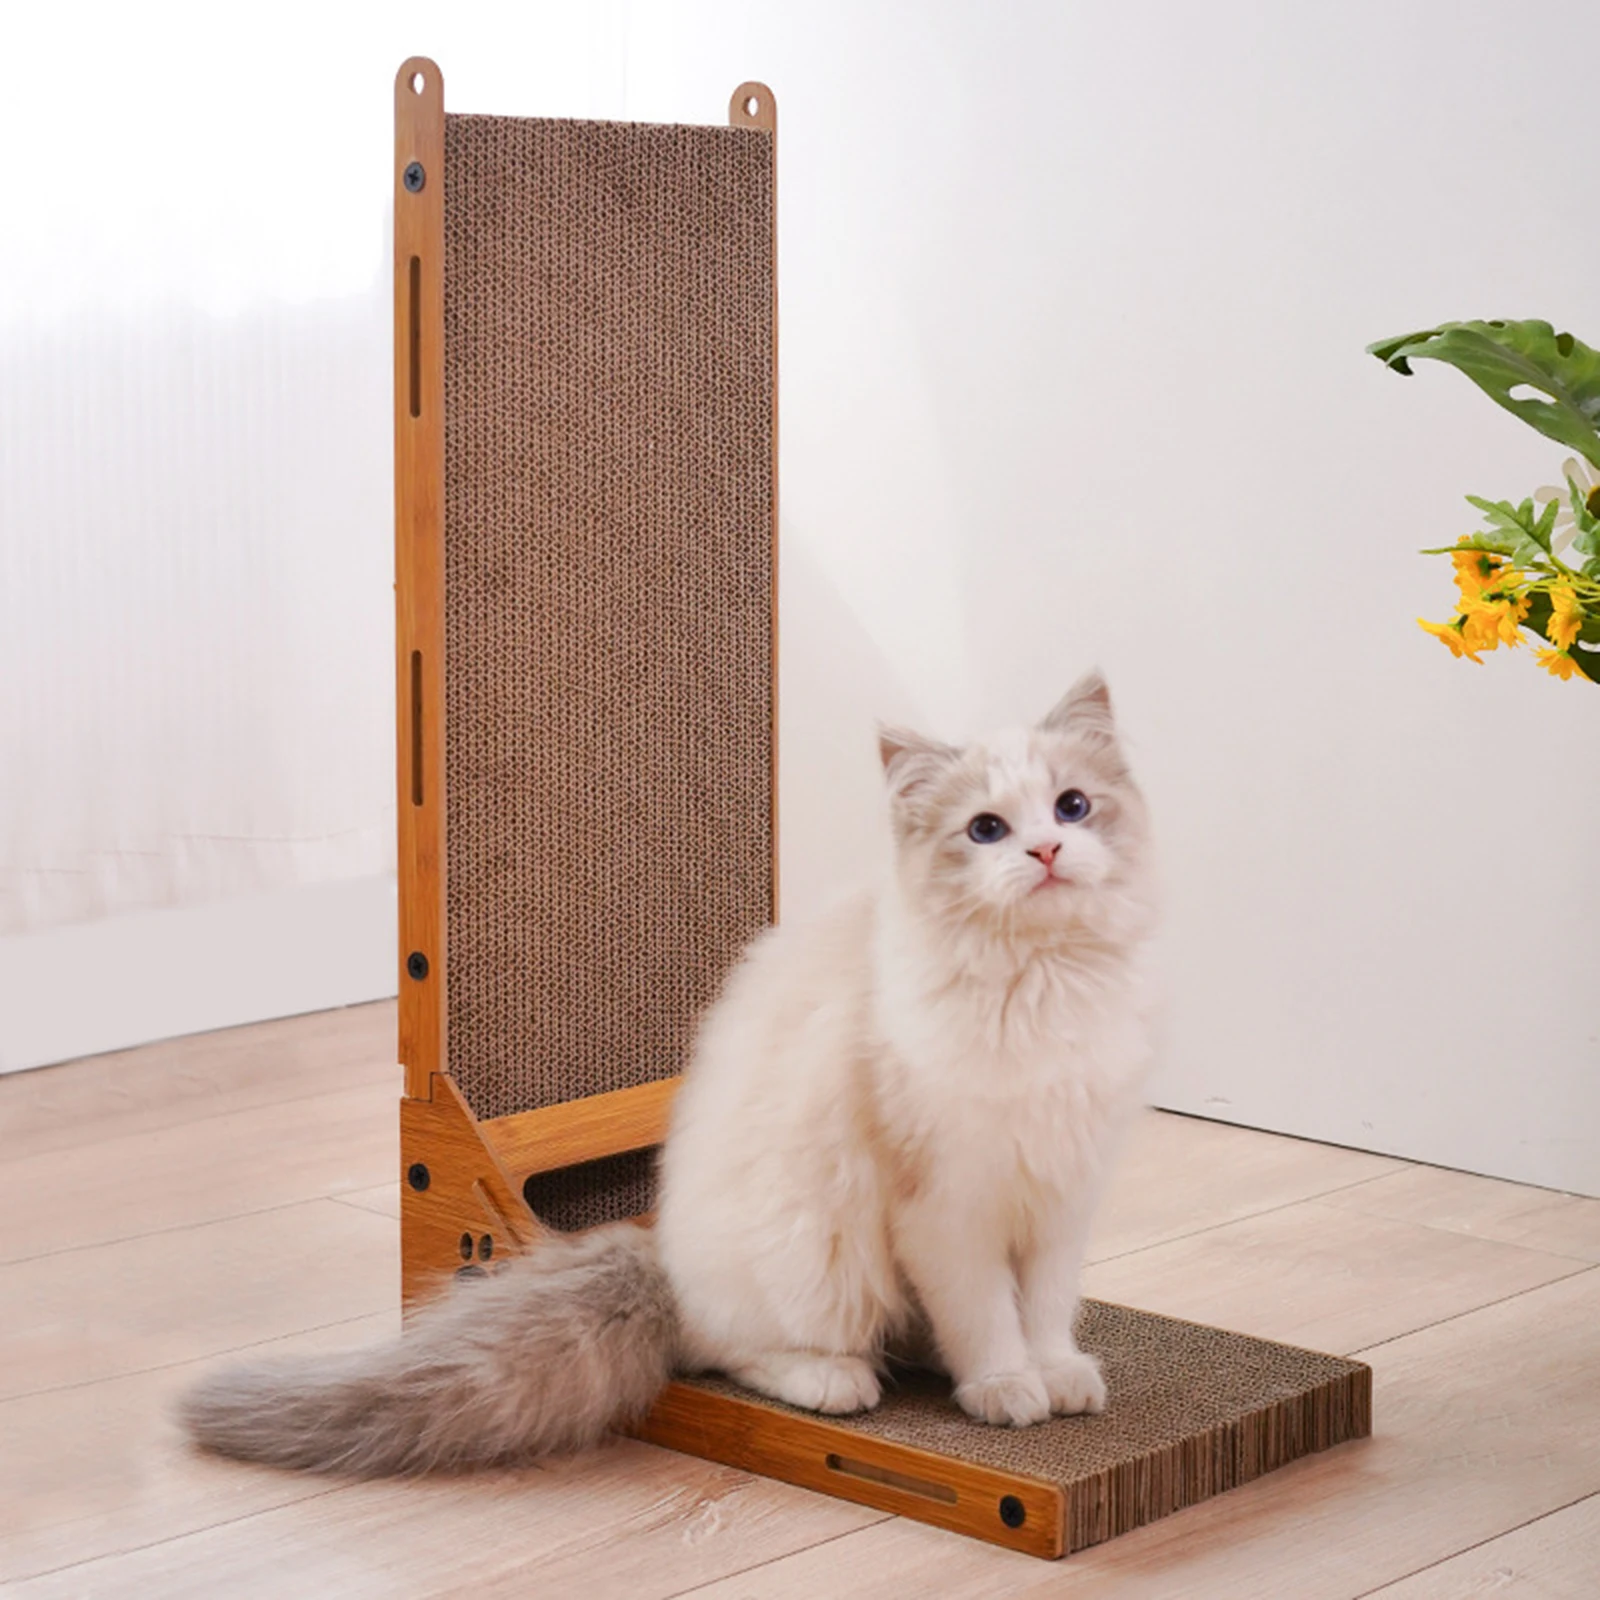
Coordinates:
<point>539,1359</point>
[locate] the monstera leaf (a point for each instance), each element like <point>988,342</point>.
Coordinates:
<point>1505,357</point>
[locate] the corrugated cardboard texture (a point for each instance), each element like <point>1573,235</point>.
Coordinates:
<point>608,589</point>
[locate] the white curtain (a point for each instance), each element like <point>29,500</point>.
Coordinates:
<point>195,480</point>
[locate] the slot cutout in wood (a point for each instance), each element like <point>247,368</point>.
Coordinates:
<point>416,727</point>
<point>416,336</point>
<point>890,1479</point>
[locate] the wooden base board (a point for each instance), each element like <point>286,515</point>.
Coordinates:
<point>1194,1411</point>
<point>830,1455</point>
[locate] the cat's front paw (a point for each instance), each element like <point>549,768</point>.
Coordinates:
<point>835,1385</point>
<point>1005,1399</point>
<point>1074,1385</point>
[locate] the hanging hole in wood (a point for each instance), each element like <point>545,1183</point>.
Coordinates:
<point>752,105</point>
<point>418,83</point>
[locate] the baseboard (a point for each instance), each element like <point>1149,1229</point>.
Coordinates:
<point>91,987</point>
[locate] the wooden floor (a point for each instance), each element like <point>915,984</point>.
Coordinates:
<point>168,1205</point>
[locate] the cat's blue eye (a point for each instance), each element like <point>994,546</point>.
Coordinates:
<point>1072,805</point>
<point>987,828</point>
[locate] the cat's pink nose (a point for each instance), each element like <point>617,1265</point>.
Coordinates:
<point>1045,853</point>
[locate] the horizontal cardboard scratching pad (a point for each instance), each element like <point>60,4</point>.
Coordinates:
<point>608,602</point>
<point>1194,1411</point>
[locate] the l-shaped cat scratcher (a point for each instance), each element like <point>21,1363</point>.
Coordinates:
<point>586,555</point>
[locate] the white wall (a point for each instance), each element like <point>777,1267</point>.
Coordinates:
<point>1074,300</point>
<point>1073,305</point>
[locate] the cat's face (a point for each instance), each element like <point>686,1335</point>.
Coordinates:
<point>1032,832</point>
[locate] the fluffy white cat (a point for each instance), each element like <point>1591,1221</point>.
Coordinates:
<point>894,1129</point>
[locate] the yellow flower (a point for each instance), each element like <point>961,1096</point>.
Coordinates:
<point>1453,637</point>
<point>1475,569</point>
<point>1557,663</point>
<point>1495,613</point>
<point>1566,617</point>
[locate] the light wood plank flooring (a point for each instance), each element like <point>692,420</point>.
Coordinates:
<point>168,1205</point>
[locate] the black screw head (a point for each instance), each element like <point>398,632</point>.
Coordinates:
<point>1012,1511</point>
<point>417,965</point>
<point>417,1176</point>
<point>414,178</point>
<point>466,1247</point>
<point>485,1248</point>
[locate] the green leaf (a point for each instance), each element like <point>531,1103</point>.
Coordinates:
<point>1545,526</point>
<point>1500,512</point>
<point>1538,617</point>
<point>1492,542</point>
<point>1588,663</point>
<point>1502,356</point>
<point>1587,540</point>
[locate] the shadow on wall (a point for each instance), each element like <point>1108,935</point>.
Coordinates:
<point>835,684</point>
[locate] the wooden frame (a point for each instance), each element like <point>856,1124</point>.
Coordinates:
<point>462,1205</point>
<point>419,564</point>
<point>462,1208</point>
<point>461,1178</point>
<point>510,1149</point>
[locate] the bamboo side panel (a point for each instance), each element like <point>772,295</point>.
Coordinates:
<point>419,565</point>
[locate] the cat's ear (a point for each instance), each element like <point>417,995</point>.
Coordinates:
<point>911,761</point>
<point>1085,708</point>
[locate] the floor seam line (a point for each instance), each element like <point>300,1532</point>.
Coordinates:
<point>188,1361</point>
<point>187,1122</point>
<point>1477,1544</point>
<point>188,1533</point>
<point>177,1227</point>
<point>1470,1311</point>
<point>1248,1216</point>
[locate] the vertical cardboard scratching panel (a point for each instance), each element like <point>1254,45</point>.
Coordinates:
<point>586,510</point>
<point>585,416</point>
<point>608,603</point>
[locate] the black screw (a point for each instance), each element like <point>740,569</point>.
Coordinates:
<point>417,1176</point>
<point>485,1248</point>
<point>1012,1511</point>
<point>466,1247</point>
<point>417,965</point>
<point>414,178</point>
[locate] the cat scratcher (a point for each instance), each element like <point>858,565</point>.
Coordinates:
<point>586,518</point>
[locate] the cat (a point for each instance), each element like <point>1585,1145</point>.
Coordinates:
<point>894,1127</point>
